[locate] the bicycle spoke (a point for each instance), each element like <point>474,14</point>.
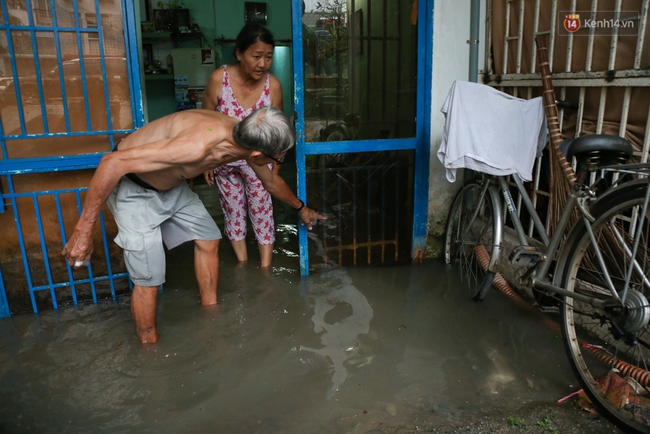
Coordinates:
<point>609,347</point>
<point>470,224</point>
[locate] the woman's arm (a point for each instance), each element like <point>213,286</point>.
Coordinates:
<point>212,92</point>
<point>279,189</point>
<point>275,88</point>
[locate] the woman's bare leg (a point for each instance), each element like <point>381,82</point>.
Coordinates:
<point>239,247</point>
<point>266,254</point>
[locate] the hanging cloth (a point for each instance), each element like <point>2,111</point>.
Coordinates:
<point>490,131</point>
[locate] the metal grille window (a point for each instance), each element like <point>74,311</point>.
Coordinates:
<point>66,96</point>
<point>603,67</point>
<point>370,215</point>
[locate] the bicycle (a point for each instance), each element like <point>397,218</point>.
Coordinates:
<point>599,274</point>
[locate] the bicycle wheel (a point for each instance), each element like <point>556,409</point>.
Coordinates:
<point>609,346</point>
<point>469,237</point>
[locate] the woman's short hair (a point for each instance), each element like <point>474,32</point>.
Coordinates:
<point>266,130</point>
<point>250,34</point>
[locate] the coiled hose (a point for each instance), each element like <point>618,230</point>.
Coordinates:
<point>642,376</point>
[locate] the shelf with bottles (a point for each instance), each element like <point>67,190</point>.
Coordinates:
<point>156,55</point>
<point>174,37</point>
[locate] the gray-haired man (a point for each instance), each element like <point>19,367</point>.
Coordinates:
<point>144,184</point>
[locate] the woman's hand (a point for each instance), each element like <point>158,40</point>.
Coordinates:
<point>209,176</point>
<point>309,217</point>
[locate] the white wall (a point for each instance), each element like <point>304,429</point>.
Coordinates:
<point>451,27</point>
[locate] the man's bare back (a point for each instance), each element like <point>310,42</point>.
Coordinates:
<point>195,140</point>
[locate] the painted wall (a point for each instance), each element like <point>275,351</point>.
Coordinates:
<point>451,29</point>
<point>229,18</point>
<point>224,19</point>
<point>220,22</point>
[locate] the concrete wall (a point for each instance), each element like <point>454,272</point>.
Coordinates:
<point>451,30</point>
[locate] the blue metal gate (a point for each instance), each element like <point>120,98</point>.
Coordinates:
<point>69,90</point>
<point>362,83</point>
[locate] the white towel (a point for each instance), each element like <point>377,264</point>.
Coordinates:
<point>490,131</point>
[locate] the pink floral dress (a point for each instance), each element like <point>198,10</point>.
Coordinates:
<point>239,186</point>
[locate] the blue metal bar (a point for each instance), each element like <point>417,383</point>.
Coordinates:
<point>59,62</point>
<point>69,134</point>
<point>133,61</point>
<point>298,100</point>
<point>51,28</point>
<point>46,259</point>
<point>4,305</point>
<point>46,192</point>
<point>347,146</point>
<point>107,102</point>
<point>423,127</point>
<point>17,166</point>
<point>37,65</point>
<point>21,242</point>
<point>79,281</point>
<point>64,241</point>
<point>107,255</point>
<point>14,71</point>
<point>82,64</point>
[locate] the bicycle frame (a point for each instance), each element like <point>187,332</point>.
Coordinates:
<point>537,276</point>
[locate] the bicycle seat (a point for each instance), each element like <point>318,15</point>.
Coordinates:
<point>616,146</point>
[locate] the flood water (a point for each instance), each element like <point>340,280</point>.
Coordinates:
<point>345,350</point>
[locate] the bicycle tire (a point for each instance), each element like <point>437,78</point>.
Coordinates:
<point>462,239</point>
<point>613,370</point>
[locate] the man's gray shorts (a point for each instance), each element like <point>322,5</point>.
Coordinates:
<point>145,217</point>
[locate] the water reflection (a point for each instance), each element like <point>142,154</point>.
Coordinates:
<point>341,314</point>
<point>359,350</point>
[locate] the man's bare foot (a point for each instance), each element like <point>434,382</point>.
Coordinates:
<point>148,336</point>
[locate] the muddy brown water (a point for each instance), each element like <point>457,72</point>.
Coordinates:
<point>345,350</point>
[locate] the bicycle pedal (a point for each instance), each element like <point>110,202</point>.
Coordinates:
<point>548,309</point>
<point>525,256</point>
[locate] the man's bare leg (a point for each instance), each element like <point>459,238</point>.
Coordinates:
<point>206,267</point>
<point>266,254</point>
<point>239,247</point>
<point>143,310</point>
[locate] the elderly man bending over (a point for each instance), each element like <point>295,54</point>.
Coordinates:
<point>144,184</point>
